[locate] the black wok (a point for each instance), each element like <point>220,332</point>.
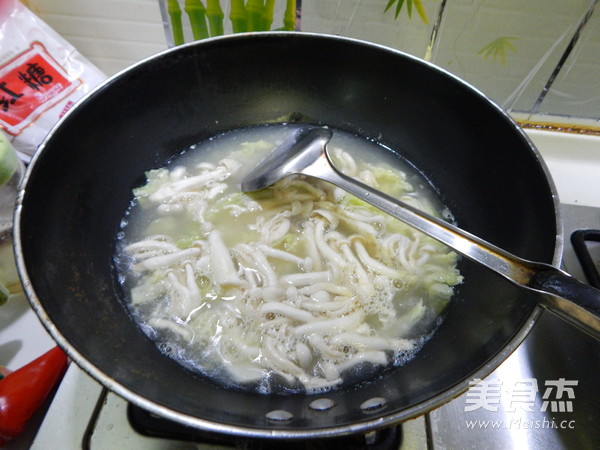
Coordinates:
<point>79,185</point>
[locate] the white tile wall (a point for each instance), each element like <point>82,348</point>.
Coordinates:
<point>116,33</point>
<point>365,19</point>
<point>543,29</point>
<point>111,33</point>
<point>577,89</point>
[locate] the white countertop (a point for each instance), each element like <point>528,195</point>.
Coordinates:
<point>574,163</point>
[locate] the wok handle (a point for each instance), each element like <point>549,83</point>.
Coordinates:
<point>563,295</point>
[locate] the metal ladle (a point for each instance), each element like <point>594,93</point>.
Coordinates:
<point>305,152</point>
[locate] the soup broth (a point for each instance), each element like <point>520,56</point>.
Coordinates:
<point>297,287</point>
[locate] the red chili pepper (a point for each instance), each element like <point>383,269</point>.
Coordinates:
<point>23,391</point>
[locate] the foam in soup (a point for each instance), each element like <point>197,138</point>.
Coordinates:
<point>297,287</point>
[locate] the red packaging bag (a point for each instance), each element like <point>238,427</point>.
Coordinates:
<point>41,77</point>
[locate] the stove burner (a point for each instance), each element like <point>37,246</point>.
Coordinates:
<point>151,425</point>
<point>579,239</point>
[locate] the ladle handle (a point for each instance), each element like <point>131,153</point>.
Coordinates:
<point>570,299</point>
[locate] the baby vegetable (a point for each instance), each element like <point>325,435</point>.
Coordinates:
<point>292,286</point>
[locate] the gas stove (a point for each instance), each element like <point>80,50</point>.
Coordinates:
<point>543,396</point>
